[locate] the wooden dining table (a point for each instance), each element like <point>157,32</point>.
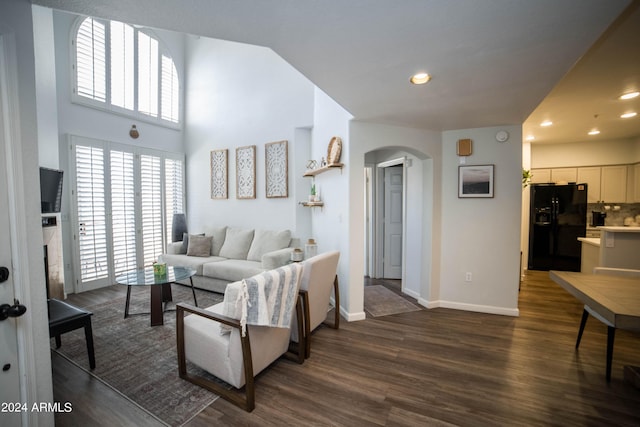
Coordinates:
<point>615,298</point>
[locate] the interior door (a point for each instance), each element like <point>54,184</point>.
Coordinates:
<point>9,375</point>
<point>393,184</point>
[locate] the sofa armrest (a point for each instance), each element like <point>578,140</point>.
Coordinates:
<point>174,248</point>
<point>275,259</point>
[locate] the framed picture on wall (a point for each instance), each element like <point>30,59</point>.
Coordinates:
<point>246,172</point>
<point>276,159</point>
<point>475,181</point>
<point>219,174</point>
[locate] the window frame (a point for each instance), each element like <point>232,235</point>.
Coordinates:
<point>107,106</point>
<point>107,148</point>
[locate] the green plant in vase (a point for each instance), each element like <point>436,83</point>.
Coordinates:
<point>312,194</point>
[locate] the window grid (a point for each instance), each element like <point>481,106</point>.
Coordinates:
<point>137,75</point>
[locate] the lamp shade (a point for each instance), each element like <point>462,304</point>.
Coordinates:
<point>178,227</point>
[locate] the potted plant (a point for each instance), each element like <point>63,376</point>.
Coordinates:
<point>312,194</point>
<point>526,177</point>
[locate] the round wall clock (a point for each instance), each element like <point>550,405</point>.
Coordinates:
<point>502,136</point>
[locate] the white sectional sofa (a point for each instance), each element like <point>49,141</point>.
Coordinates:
<point>224,255</point>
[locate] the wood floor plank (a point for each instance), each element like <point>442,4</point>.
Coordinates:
<point>446,367</point>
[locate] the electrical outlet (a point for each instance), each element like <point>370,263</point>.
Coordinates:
<point>468,277</point>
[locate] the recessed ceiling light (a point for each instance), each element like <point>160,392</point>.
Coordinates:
<point>531,138</point>
<point>546,123</point>
<point>628,115</point>
<point>594,132</point>
<point>420,78</point>
<point>629,95</point>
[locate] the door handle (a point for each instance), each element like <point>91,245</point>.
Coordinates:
<point>4,274</point>
<point>15,310</point>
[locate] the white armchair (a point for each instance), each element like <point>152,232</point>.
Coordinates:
<point>234,356</point>
<point>318,279</point>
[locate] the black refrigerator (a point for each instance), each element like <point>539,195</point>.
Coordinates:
<point>557,218</point>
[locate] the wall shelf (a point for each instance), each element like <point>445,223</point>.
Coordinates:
<point>314,172</point>
<point>312,204</point>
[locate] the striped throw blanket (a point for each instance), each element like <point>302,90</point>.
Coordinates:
<point>267,299</point>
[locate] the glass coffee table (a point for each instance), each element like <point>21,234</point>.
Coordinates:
<point>160,288</point>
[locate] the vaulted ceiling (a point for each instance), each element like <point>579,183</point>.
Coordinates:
<point>492,62</point>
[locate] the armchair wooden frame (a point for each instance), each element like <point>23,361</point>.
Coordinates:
<point>306,338</point>
<point>244,400</point>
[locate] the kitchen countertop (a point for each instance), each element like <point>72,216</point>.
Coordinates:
<point>594,241</point>
<point>621,229</point>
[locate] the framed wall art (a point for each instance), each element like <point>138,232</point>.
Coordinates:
<point>276,159</point>
<point>475,181</point>
<point>246,172</point>
<point>219,174</point>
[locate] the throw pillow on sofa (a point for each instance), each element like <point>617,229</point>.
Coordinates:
<point>199,245</point>
<point>185,242</point>
<point>236,243</point>
<point>267,241</point>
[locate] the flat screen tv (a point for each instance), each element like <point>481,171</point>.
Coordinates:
<point>50,190</point>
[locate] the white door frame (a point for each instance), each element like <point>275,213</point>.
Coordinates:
<point>11,146</point>
<point>378,204</point>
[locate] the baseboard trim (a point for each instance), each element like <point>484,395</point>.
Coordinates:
<point>352,317</point>
<point>503,311</point>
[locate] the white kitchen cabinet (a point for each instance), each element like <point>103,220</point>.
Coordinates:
<point>563,175</point>
<point>540,176</point>
<point>591,176</point>
<point>636,183</point>
<point>613,184</point>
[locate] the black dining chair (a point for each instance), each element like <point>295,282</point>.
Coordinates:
<point>64,317</point>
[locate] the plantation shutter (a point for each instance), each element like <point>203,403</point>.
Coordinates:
<point>147,75</point>
<point>122,65</point>
<point>174,195</point>
<point>123,214</point>
<point>151,212</point>
<point>91,60</point>
<point>91,213</point>
<point>170,91</point>
<point>125,201</point>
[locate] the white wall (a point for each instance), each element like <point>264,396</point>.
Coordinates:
<point>585,153</point>
<point>482,236</point>
<point>16,28</point>
<point>239,95</point>
<point>46,88</point>
<point>423,262</point>
<point>330,225</point>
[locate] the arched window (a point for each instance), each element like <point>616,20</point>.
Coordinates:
<point>126,70</point>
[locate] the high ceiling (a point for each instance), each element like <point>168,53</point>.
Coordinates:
<point>492,61</point>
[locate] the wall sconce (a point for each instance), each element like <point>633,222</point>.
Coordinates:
<point>133,133</point>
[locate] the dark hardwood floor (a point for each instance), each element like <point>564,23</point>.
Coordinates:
<point>431,367</point>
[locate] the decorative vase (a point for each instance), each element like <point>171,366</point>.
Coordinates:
<point>310,249</point>
<point>178,227</point>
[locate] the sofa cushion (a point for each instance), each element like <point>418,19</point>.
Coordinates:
<point>232,269</point>
<point>218,234</point>
<point>185,242</point>
<point>194,262</point>
<point>267,241</point>
<point>236,243</point>
<point>199,246</point>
